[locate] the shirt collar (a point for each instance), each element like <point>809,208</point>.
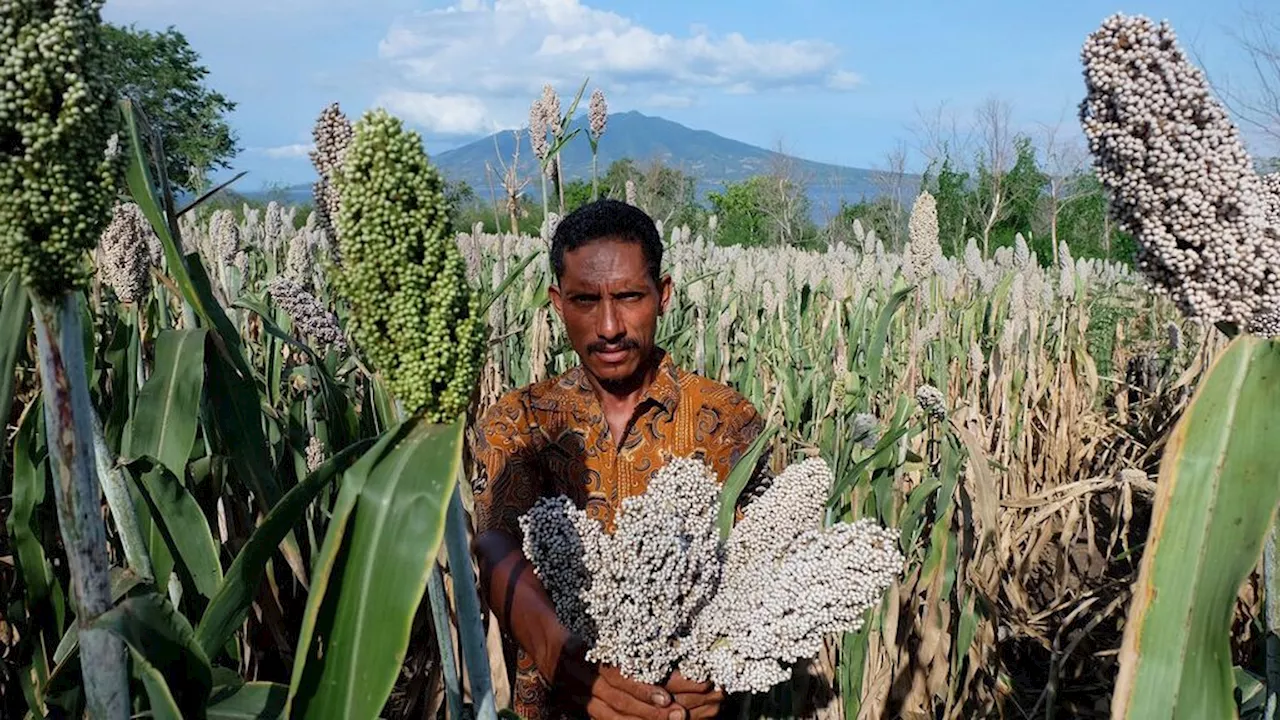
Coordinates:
<point>573,391</point>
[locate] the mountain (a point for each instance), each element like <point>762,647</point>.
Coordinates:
<point>713,159</point>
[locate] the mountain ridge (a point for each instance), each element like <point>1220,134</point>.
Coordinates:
<point>714,160</point>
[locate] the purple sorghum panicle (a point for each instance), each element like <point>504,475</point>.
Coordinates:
<point>332,134</point>
<point>310,317</point>
<point>126,253</point>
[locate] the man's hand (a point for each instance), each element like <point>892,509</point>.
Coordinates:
<point>701,700</point>
<point>604,693</point>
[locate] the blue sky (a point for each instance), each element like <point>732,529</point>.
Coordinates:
<point>831,80</point>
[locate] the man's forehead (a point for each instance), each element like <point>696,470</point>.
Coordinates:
<point>605,259</point>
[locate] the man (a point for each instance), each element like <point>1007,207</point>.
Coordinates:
<point>595,434</point>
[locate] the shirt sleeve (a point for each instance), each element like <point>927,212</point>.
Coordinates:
<point>507,481</point>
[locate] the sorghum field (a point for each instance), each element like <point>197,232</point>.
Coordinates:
<point>263,472</point>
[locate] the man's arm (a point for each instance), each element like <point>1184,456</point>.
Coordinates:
<point>507,484</point>
<point>518,599</point>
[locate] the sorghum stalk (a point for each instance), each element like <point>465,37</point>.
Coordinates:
<point>474,651</point>
<point>67,414</point>
<point>444,640</point>
<point>57,175</point>
<point>538,141</point>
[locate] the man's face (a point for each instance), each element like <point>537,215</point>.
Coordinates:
<point>610,307</point>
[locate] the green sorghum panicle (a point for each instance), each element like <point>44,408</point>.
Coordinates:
<point>413,313</point>
<point>57,116</point>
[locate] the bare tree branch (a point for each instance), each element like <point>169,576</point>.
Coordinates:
<point>1255,101</point>
<point>1065,159</point>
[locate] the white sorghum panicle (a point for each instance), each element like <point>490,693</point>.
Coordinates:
<point>629,189</point>
<point>788,583</point>
<point>551,108</point>
<point>224,237</point>
<point>300,260</point>
<point>126,253</point>
<point>538,129</point>
<point>663,592</point>
<point>923,246</point>
<point>310,317</point>
<point>932,401</point>
<point>273,232</point>
<point>315,453</point>
<point>549,224</point>
<point>670,531</point>
<point>1066,271</point>
<point>1178,174</point>
<point>597,113</point>
<point>1021,252</point>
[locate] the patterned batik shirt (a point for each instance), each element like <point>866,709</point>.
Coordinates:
<point>551,438</point>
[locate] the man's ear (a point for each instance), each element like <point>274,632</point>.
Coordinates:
<point>553,292</point>
<point>664,291</point>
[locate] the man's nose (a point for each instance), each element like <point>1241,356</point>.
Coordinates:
<point>609,322</point>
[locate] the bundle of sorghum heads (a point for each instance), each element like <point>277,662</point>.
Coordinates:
<point>1179,177</point>
<point>663,592</point>
<point>412,311</point>
<point>57,116</point>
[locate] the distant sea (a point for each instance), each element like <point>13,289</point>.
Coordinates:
<point>824,198</point>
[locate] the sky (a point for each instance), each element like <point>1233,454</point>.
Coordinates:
<point>838,81</point>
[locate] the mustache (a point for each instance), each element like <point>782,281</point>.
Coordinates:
<point>600,346</point>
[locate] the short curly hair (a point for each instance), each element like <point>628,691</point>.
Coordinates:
<point>611,220</point>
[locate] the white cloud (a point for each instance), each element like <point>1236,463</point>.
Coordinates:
<point>479,63</point>
<point>843,80</point>
<point>296,150</point>
<point>440,114</point>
